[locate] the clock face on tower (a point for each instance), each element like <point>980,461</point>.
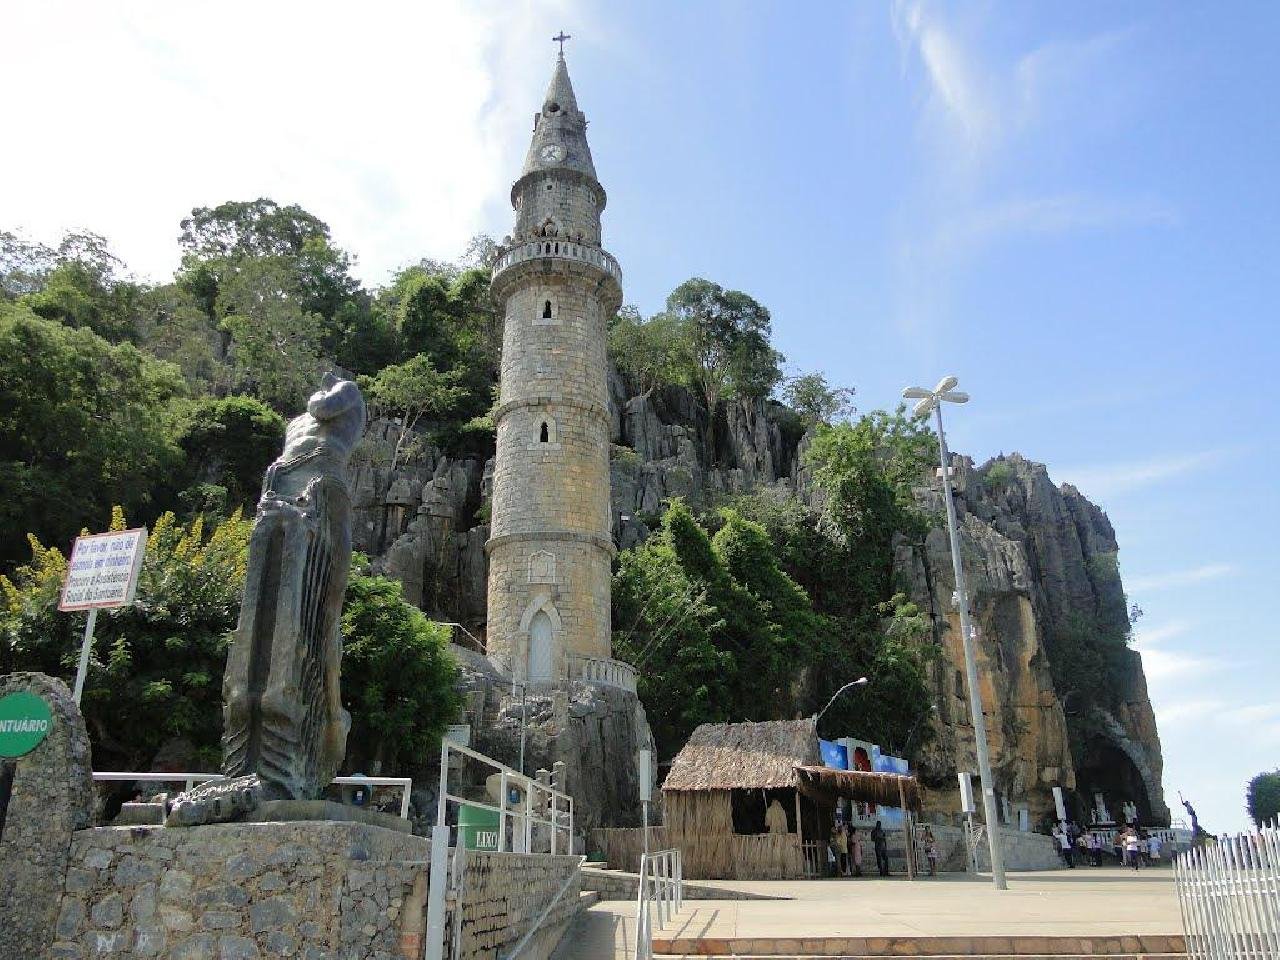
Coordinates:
<point>551,153</point>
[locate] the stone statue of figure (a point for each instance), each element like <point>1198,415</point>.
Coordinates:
<point>284,727</point>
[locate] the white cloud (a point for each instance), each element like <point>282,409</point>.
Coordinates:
<point>1161,666</point>
<point>401,125</point>
<point>1181,712</point>
<point>1044,216</point>
<point>1178,578</point>
<point>1152,635</point>
<point>1117,478</point>
<point>958,102</point>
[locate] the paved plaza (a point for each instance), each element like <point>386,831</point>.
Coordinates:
<point>1086,903</point>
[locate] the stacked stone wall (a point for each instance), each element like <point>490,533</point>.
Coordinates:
<point>51,796</point>
<point>503,896</point>
<point>315,890</point>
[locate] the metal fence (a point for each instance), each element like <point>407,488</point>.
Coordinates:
<point>1229,892</point>
<point>541,815</point>
<point>189,780</point>
<point>661,889</point>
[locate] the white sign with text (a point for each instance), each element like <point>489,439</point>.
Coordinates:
<point>103,570</point>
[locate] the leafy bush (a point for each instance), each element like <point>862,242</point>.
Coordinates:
<point>998,475</point>
<point>1262,798</point>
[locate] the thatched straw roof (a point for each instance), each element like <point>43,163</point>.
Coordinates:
<point>860,785</point>
<point>735,756</point>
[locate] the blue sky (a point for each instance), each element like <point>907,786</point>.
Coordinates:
<point>1072,207</point>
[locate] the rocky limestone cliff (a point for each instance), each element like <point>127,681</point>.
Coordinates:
<point>1040,558</point>
<point>1041,567</point>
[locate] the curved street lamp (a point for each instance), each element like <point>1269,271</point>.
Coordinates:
<point>852,683</point>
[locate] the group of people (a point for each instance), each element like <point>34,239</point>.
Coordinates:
<point>844,854</point>
<point>1132,846</point>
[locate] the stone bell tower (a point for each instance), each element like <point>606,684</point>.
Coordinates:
<point>550,546</point>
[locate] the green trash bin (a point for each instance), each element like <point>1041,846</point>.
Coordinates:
<point>478,827</point>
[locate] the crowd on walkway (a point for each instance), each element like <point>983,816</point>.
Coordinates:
<point>1133,846</point>
<point>847,845</point>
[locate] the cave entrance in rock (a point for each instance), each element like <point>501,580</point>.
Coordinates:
<point>1108,770</point>
<point>540,631</point>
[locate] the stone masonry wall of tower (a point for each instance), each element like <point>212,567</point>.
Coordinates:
<point>550,548</point>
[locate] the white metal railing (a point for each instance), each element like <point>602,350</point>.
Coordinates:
<point>661,886</point>
<point>1229,893</point>
<point>561,249</point>
<point>189,780</point>
<point>613,673</point>
<point>543,805</point>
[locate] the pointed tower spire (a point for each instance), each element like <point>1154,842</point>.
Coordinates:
<point>559,129</point>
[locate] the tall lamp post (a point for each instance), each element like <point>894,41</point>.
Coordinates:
<point>930,401</point>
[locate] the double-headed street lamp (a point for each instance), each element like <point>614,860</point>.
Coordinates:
<point>930,401</point>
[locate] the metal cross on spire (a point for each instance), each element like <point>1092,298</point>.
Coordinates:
<point>560,40</point>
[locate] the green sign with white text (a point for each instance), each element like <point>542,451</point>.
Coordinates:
<point>25,720</point>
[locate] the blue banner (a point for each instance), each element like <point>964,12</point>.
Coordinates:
<point>834,755</point>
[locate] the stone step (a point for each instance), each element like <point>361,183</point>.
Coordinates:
<point>941,956</point>
<point>933,948</point>
<point>587,899</point>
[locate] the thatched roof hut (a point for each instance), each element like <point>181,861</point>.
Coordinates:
<point>733,756</point>
<point>753,801</point>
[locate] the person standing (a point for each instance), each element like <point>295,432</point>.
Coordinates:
<point>1153,849</point>
<point>1131,848</point>
<point>882,849</point>
<point>931,851</point>
<point>1064,841</point>
<point>855,850</point>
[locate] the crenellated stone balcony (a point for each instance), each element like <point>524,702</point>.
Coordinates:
<point>558,249</point>
<point>613,673</point>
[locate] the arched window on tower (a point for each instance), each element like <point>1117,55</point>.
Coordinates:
<point>546,310</point>
<point>544,436</point>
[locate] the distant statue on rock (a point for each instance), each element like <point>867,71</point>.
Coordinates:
<point>284,727</point>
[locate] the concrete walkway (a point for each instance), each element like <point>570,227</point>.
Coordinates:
<point>1105,902</point>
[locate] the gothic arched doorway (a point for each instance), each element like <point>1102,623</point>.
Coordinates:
<point>540,632</point>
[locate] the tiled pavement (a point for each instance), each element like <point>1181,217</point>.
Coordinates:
<point>1062,914</point>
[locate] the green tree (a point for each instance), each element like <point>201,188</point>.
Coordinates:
<point>816,401</point>
<point>723,344</point>
<point>229,442</point>
<point>156,670</point>
<point>275,342</point>
<point>1262,798</point>
<point>84,424</point>
<point>397,676</point>
<point>223,243</point>
<point>664,626</point>
<point>411,391</point>
<point>644,349</point>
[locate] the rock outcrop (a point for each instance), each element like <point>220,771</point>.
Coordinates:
<point>1041,566</point>
<point>1041,560</point>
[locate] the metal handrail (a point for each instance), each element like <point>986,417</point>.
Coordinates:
<point>664,872</point>
<point>191,779</point>
<point>537,924</point>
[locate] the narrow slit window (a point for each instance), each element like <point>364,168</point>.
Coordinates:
<point>546,314</point>
<point>543,435</point>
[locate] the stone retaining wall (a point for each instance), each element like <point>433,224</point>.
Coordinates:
<point>310,890</point>
<point>238,891</point>
<point>503,895</point>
